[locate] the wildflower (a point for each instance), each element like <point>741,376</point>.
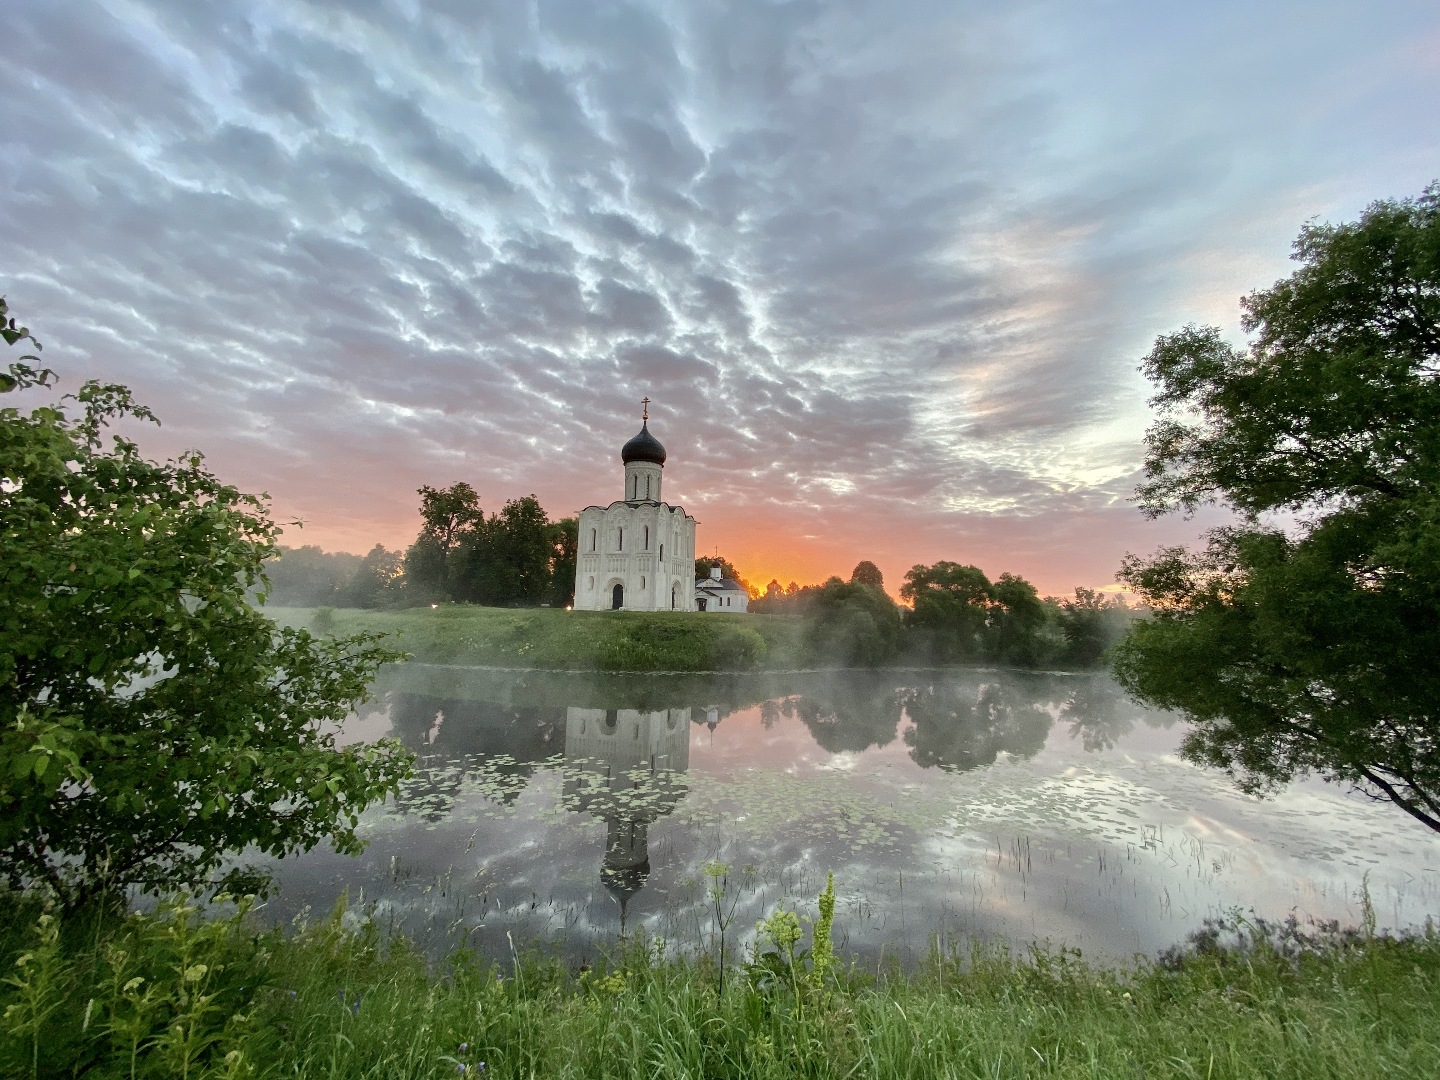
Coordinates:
<point>464,1047</point>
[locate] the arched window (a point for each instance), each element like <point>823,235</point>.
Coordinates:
<point>662,552</point>
<point>620,545</point>
<point>642,581</point>
<point>647,487</point>
<point>592,539</point>
<point>635,487</point>
<point>647,537</point>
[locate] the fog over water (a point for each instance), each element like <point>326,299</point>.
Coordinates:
<point>989,804</point>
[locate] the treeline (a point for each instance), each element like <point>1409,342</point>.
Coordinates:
<point>514,557</point>
<point>956,615</point>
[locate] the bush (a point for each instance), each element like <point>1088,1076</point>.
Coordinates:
<point>151,719</point>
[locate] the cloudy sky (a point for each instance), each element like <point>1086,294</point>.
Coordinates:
<point>885,268</point>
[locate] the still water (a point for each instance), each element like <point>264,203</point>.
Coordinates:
<point>561,810</point>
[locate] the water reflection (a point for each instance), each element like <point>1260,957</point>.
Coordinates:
<point>964,726</point>
<point>627,767</point>
<point>1010,804</point>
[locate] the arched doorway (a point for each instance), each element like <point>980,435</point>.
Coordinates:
<point>617,597</point>
<point>673,597</point>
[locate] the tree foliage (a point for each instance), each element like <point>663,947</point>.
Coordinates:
<point>151,720</point>
<point>1307,646</point>
<point>959,615</point>
<point>516,557</point>
<point>851,625</point>
<point>308,577</point>
<point>867,573</point>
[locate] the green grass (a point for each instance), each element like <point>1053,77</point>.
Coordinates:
<point>168,996</point>
<point>553,639</point>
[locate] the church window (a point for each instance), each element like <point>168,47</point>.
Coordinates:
<point>620,545</point>
<point>590,582</point>
<point>647,487</point>
<point>662,552</point>
<point>642,581</point>
<point>592,539</point>
<point>647,537</point>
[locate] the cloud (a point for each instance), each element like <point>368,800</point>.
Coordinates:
<point>885,270</point>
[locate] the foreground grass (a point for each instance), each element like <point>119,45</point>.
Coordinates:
<point>550,638</point>
<point>177,996</point>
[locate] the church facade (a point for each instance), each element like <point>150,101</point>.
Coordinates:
<point>638,553</point>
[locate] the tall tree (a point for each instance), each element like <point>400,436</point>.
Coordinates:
<point>448,517</point>
<point>1309,647</point>
<point>508,559</point>
<point>377,581</point>
<point>851,625</point>
<point>308,577</point>
<point>867,573</point>
<point>151,719</point>
<point>950,608</point>
<point>1015,622</point>
<point>564,537</point>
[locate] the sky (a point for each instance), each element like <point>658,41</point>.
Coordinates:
<point>885,269</point>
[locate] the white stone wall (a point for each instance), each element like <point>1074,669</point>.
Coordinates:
<point>646,548</point>
<point>731,600</point>
<point>642,481</point>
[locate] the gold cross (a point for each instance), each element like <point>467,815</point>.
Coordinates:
<point>645,404</point>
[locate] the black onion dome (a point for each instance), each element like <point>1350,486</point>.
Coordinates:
<point>643,447</point>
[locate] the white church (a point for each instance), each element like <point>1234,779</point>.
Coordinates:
<point>638,553</point>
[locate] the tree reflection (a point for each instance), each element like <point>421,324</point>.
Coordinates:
<point>964,725</point>
<point>1100,713</point>
<point>850,712</point>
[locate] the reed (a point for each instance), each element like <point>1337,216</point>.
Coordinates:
<point>174,994</point>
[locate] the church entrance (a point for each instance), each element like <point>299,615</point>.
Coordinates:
<point>700,603</point>
<point>617,597</point>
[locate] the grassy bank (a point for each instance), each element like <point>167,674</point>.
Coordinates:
<point>553,639</point>
<point>177,996</point>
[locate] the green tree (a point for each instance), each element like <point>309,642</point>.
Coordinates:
<point>851,625</point>
<point>950,608</point>
<point>378,581</point>
<point>564,538</point>
<point>507,560</point>
<point>1307,641</point>
<point>448,517</point>
<point>1015,623</point>
<point>867,573</point>
<point>1091,624</point>
<point>308,577</point>
<point>151,720</point>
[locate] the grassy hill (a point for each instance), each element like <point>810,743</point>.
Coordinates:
<point>553,639</point>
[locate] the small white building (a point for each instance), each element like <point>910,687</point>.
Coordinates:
<point>717,593</point>
<point>638,553</point>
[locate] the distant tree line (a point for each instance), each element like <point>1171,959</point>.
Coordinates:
<point>514,557</point>
<point>956,615</point>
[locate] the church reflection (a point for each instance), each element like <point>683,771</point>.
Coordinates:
<point>623,766</point>
<point>626,767</point>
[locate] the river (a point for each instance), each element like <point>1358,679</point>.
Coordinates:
<point>952,806</point>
